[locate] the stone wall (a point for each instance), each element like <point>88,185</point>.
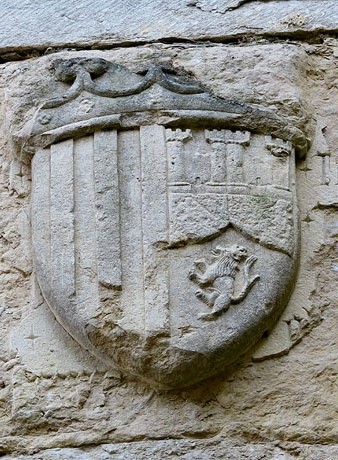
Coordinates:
<point>279,399</point>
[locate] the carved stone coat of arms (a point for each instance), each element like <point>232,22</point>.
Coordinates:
<point>164,219</point>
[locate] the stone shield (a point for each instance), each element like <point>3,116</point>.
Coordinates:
<point>164,219</point>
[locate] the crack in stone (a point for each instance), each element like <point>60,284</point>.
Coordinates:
<point>22,53</point>
<point>223,7</point>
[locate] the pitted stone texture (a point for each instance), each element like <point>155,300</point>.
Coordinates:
<point>217,449</point>
<point>83,23</point>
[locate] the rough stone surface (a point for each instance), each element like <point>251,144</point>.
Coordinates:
<point>279,402</point>
<point>216,449</point>
<point>39,24</point>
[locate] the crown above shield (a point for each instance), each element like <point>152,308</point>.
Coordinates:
<point>164,218</point>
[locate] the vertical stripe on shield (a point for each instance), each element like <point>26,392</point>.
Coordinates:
<point>155,228</point>
<point>62,218</point>
<point>129,168</point>
<point>85,227</point>
<point>107,204</point>
<point>40,213</point>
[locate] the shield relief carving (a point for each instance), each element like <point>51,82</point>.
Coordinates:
<point>164,219</point>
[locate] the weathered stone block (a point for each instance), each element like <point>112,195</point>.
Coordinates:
<point>56,399</point>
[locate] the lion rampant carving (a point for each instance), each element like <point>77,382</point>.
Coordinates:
<point>217,279</point>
